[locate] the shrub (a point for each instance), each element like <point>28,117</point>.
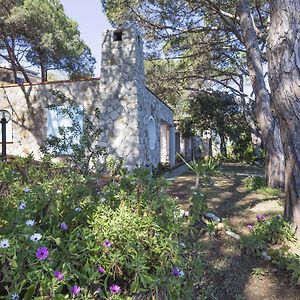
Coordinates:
<point>61,235</point>
<point>76,143</point>
<point>199,205</point>
<point>274,230</point>
<point>288,261</point>
<point>255,182</point>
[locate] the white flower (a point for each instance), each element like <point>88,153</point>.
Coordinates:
<point>59,191</point>
<point>22,205</point>
<point>30,222</point>
<point>4,243</point>
<point>102,199</point>
<point>78,209</point>
<point>181,274</point>
<point>35,237</point>
<point>15,296</point>
<point>26,190</point>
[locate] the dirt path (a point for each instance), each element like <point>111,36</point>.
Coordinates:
<point>229,274</point>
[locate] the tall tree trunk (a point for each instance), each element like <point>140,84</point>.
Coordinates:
<point>248,115</point>
<point>43,65</point>
<point>284,75</point>
<point>16,66</point>
<point>223,148</point>
<point>268,124</point>
<point>210,146</point>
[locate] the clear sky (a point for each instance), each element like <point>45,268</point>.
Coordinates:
<point>92,22</point>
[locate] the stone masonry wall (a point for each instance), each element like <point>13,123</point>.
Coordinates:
<point>126,105</point>
<point>151,106</point>
<point>28,106</point>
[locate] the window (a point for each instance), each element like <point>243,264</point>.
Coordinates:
<point>118,35</point>
<point>56,119</point>
<point>151,133</point>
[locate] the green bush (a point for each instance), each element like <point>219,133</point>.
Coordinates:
<point>265,231</point>
<point>64,233</point>
<point>199,205</point>
<point>288,261</point>
<point>255,182</point>
<point>274,230</point>
<point>259,184</point>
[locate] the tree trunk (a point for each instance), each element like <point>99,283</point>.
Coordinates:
<point>43,65</point>
<point>248,115</point>
<point>284,76</point>
<point>268,124</point>
<point>15,64</point>
<point>223,148</point>
<point>210,146</point>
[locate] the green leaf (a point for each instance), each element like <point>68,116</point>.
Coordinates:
<point>30,292</point>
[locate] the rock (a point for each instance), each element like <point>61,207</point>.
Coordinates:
<point>212,217</point>
<point>266,256</point>
<point>184,213</point>
<point>232,234</point>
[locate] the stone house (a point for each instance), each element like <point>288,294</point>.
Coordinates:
<point>136,125</point>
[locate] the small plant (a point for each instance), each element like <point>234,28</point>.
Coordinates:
<point>259,272</point>
<point>274,230</point>
<point>288,261</point>
<point>269,191</point>
<point>212,228</point>
<point>77,143</point>
<point>205,167</point>
<point>254,183</point>
<point>259,184</point>
<point>199,206</point>
<point>252,245</point>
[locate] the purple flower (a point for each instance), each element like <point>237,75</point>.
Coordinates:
<point>26,190</point>
<point>75,290</point>
<point>42,253</point>
<point>63,226</point>
<point>249,226</point>
<point>260,218</point>
<point>101,270</point>
<point>107,243</point>
<point>177,273</point>
<point>58,275</point>
<point>115,289</point>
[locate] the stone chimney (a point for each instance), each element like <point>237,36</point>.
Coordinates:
<point>122,84</point>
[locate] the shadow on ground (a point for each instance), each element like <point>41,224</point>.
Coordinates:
<point>228,274</point>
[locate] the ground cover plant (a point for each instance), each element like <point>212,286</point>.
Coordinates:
<point>259,184</point>
<point>65,235</point>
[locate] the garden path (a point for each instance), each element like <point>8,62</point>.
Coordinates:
<point>228,273</point>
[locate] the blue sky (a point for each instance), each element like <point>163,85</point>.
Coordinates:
<point>92,22</point>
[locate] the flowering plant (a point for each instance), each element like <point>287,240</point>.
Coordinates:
<point>67,242</point>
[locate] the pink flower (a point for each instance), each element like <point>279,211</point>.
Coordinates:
<point>260,218</point>
<point>42,253</point>
<point>107,243</point>
<point>249,226</point>
<point>101,270</point>
<point>58,275</point>
<point>115,289</point>
<point>75,290</point>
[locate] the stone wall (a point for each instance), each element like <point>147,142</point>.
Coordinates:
<point>28,106</point>
<point>151,107</point>
<point>126,105</point>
